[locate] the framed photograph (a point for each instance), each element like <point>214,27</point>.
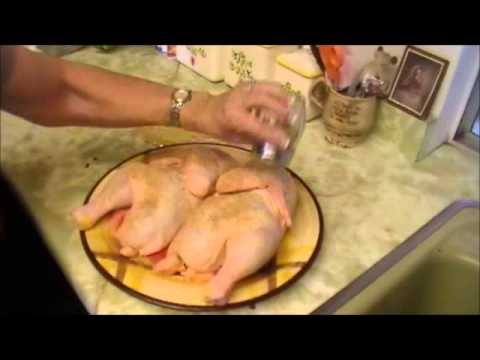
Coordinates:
<point>418,79</point>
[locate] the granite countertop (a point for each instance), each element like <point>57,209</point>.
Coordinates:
<point>373,196</point>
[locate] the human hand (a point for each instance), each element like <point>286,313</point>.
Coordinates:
<point>230,115</point>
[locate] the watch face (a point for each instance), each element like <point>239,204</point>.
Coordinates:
<point>181,95</point>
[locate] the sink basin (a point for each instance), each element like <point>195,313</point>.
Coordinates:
<point>435,271</point>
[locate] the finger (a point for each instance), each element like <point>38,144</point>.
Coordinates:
<point>262,132</point>
<point>267,116</point>
<point>274,90</point>
<point>268,103</point>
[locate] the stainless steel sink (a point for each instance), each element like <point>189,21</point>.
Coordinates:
<point>435,271</point>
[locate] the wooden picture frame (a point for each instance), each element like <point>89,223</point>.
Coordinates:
<point>419,77</point>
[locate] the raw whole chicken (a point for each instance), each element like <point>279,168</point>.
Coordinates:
<point>235,232</point>
<point>158,195</point>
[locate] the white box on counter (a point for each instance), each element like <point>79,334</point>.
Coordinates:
<point>298,71</point>
<point>206,60</point>
<point>247,62</point>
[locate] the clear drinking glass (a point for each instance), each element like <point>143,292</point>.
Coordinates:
<point>294,128</point>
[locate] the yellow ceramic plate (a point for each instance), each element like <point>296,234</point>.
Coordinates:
<point>135,276</point>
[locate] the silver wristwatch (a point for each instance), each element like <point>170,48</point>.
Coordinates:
<point>179,98</point>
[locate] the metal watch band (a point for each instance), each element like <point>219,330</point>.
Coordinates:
<point>179,98</point>
<point>175,115</point>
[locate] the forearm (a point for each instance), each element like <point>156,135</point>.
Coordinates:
<point>55,92</point>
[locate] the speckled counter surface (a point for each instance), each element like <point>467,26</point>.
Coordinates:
<point>373,196</point>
